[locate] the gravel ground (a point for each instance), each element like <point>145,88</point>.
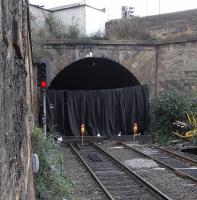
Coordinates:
<point>165,180</point>
<point>84,186</point>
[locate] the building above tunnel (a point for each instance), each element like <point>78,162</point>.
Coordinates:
<point>87,18</point>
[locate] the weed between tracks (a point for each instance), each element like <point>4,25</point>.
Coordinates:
<point>50,182</point>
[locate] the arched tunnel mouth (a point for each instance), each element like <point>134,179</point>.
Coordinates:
<point>99,94</point>
<point>93,74</point>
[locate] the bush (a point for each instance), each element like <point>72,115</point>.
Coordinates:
<point>98,35</point>
<point>60,31</point>
<point>72,31</point>
<point>129,29</point>
<point>50,182</point>
<point>167,108</point>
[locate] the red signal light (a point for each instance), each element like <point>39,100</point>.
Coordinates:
<point>43,84</point>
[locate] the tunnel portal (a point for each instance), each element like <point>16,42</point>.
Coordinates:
<point>93,74</point>
<point>99,94</point>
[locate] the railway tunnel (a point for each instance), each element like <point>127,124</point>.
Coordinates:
<point>99,93</point>
<point>93,74</point>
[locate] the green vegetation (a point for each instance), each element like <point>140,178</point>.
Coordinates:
<point>50,181</point>
<point>167,108</point>
<point>98,35</point>
<point>134,28</point>
<point>60,31</point>
<point>56,30</point>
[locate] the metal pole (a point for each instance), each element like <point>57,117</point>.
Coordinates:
<point>52,122</point>
<point>82,130</point>
<point>51,106</point>
<point>134,137</point>
<point>44,112</point>
<point>82,141</point>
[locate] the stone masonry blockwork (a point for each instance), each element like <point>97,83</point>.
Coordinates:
<point>15,102</point>
<point>161,66</point>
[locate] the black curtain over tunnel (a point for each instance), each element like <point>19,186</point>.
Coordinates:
<point>106,112</point>
<point>55,110</point>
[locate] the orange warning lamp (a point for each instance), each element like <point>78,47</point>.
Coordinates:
<point>82,129</point>
<point>135,128</point>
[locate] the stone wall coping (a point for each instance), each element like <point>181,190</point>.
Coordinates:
<point>165,16</point>
<point>75,42</point>
<point>96,42</point>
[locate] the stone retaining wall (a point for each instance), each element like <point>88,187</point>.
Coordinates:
<point>16,181</point>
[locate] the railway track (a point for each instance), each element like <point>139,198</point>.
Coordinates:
<point>181,165</point>
<point>116,180</point>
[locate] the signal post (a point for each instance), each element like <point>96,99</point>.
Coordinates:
<point>43,85</point>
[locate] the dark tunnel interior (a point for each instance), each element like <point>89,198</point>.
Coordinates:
<point>93,74</point>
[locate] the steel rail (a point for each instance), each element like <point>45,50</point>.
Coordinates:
<point>151,187</point>
<point>177,155</point>
<point>177,171</point>
<point>92,173</point>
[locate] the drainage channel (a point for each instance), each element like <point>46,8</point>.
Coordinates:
<point>116,180</point>
<point>181,165</point>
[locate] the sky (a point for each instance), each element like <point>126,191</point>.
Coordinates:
<point>141,7</point>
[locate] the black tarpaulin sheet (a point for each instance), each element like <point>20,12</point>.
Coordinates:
<point>55,110</point>
<point>106,112</point>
